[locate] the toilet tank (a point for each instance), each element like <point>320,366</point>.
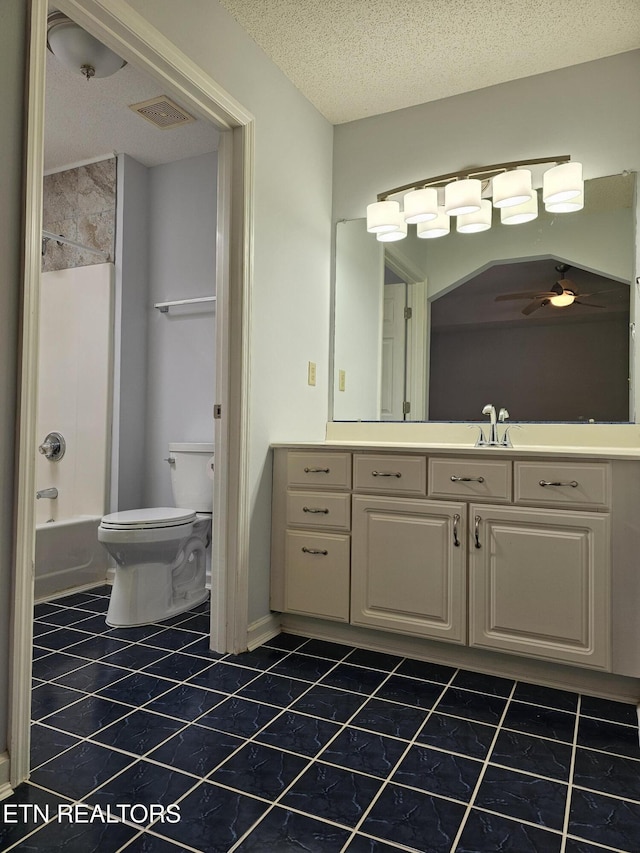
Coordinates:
<point>192,475</point>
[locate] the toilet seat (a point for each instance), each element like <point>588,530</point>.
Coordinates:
<point>153,518</point>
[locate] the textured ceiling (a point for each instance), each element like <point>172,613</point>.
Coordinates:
<point>356,58</point>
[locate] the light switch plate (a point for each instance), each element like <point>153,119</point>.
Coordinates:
<point>311,377</point>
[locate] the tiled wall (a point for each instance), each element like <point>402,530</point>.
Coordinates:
<point>80,204</point>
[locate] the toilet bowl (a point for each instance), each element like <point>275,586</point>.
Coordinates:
<point>161,553</point>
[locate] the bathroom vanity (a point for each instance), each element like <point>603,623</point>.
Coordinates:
<point>518,552</point>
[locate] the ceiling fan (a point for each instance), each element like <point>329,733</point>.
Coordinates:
<point>561,294</point>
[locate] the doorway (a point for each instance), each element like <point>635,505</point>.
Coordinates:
<point>200,94</point>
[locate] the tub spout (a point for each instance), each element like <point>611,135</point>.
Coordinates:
<point>51,493</point>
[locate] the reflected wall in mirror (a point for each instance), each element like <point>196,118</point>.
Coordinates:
<point>462,344</point>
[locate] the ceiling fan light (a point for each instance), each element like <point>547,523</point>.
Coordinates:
<point>421,205</point>
<point>462,197</point>
<point>480,220</point>
<point>78,50</point>
<point>563,299</point>
<point>568,206</point>
<point>562,183</point>
<point>398,233</point>
<point>511,188</point>
<point>520,213</point>
<point>382,216</point>
<point>438,227</point>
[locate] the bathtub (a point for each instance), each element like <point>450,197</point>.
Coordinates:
<point>68,556</point>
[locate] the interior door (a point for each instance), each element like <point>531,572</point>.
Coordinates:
<point>394,352</point>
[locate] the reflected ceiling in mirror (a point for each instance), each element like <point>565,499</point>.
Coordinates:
<point>467,345</point>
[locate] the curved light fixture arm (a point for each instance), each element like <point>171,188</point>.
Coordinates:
<point>482,172</point>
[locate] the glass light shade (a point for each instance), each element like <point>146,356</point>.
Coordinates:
<point>520,212</point>
<point>438,227</point>
<point>461,197</point>
<point>399,233</point>
<point>480,220</point>
<point>383,216</point>
<point>562,299</point>
<point>511,188</point>
<point>421,205</point>
<point>570,206</point>
<point>562,183</point>
<point>79,50</point>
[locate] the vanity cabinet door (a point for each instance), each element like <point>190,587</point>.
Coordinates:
<point>408,566</point>
<point>539,583</point>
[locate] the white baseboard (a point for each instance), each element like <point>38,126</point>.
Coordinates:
<point>262,630</point>
<point>578,679</point>
<point>5,788</point>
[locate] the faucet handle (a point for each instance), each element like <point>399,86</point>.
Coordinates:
<point>481,441</point>
<point>503,415</point>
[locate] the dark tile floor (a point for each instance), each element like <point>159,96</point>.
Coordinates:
<point>303,745</point>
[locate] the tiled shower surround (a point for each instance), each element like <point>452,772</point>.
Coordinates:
<point>80,204</point>
<point>306,745</point>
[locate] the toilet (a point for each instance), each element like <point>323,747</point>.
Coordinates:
<point>162,554</point>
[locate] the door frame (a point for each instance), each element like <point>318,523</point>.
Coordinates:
<point>129,35</point>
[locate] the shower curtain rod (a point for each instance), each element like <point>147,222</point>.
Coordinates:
<point>48,235</point>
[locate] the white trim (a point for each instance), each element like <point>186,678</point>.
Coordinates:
<point>578,679</point>
<point>22,609</point>
<point>262,630</point>
<point>130,35</point>
<point>5,787</point>
<point>418,351</point>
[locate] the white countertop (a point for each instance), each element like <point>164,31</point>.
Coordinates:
<point>571,441</point>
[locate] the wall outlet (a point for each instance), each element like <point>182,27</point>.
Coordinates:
<point>311,375</point>
<point>342,379</point>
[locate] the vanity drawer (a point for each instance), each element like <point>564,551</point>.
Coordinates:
<point>332,470</point>
<point>319,509</point>
<point>580,484</point>
<point>317,574</point>
<point>470,478</point>
<point>398,474</point>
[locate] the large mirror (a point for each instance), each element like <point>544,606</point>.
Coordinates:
<point>435,329</point>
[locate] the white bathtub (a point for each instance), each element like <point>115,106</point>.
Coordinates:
<point>68,556</point>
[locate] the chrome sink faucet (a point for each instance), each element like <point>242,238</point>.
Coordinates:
<point>494,420</point>
<point>51,493</point>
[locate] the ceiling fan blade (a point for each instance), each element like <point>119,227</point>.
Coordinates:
<point>533,306</point>
<point>525,294</point>
<point>587,304</point>
<point>560,286</point>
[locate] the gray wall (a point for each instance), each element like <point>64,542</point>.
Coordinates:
<point>13,22</point>
<point>589,111</point>
<point>165,365</point>
<point>181,343</point>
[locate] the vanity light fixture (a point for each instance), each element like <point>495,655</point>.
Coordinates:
<point>78,50</point>
<point>479,220</point>
<point>470,195</point>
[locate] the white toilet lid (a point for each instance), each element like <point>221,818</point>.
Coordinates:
<point>144,519</point>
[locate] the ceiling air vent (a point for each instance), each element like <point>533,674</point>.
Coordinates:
<point>162,112</point>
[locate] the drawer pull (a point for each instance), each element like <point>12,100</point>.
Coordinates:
<point>315,510</point>
<point>386,474</point>
<point>320,551</point>
<point>477,531</point>
<point>456,479</point>
<point>456,541</point>
<point>572,483</point>
<point>316,470</point>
